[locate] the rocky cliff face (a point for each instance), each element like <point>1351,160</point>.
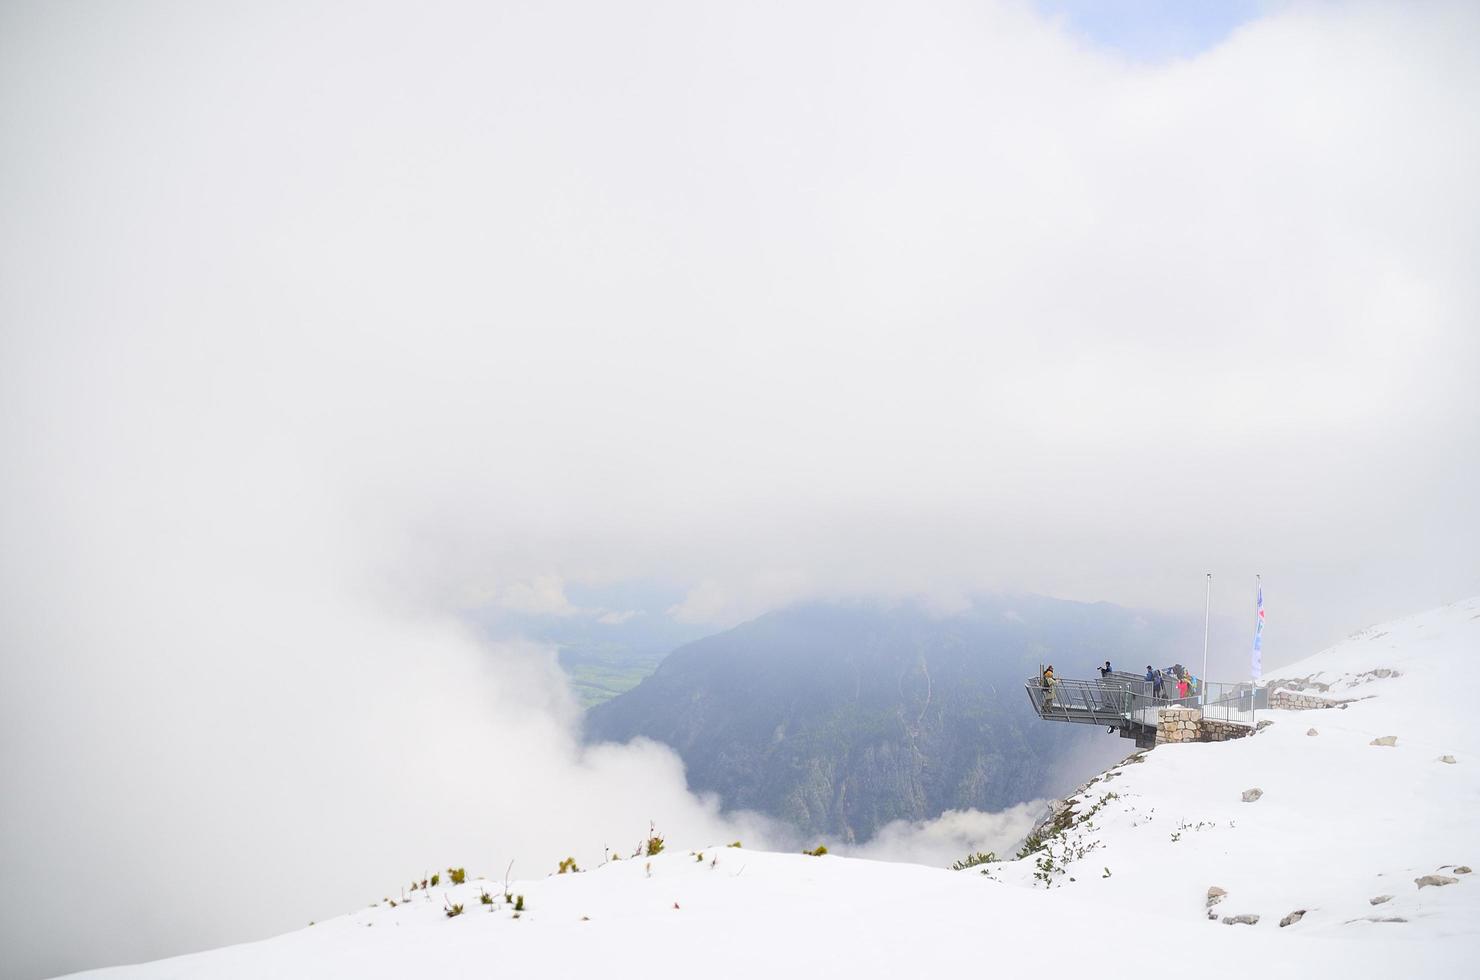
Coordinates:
<point>840,717</point>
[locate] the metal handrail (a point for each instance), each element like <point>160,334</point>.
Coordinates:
<point>1102,702</point>
<point>1123,700</point>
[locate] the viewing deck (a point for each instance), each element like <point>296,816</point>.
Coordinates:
<point>1124,703</point>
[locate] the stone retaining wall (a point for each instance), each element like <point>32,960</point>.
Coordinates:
<point>1222,731</point>
<point>1189,725</point>
<point>1178,725</point>
<point>1291,701</point>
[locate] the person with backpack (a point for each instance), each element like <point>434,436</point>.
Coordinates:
<point>1105,671</point>
<point>1158,684</point>
<point>1048,683</point>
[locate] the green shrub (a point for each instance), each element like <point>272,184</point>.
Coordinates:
<point>734,844</point>
<point>519,903</point>
<point>453,911</point>
<point>457,875</point>
<point>817,852</point>
<point>973,860</point>
<point>654,846</point>
<point>435,879</point>
<point>486,898</point>
<point>569,864</point>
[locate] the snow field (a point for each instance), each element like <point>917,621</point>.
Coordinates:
<point>1340,822</point>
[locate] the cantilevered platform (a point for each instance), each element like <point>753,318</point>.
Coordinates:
<point>1124,702</point>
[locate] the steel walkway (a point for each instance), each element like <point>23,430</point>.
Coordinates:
<point>1124,703</point>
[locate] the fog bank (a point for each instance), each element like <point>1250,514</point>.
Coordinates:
<point>323,325</point>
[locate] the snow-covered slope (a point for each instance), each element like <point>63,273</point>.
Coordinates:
<point>1340,822</point>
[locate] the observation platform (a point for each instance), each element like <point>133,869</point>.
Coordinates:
<point>1124,703</point>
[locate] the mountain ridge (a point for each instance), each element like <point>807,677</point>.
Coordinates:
<point>840,717</point>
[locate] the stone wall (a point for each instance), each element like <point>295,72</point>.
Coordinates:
<point>1222,731</point>
<point>1178,725</point>
<point>1291,701</point>
<point>1189,725</point>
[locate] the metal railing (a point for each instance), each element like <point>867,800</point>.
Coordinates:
<point>1121,700</point>
<point>1103,702</point>
<point>1237,703</point>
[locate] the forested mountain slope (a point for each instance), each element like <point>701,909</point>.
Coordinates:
<point>840,717</point>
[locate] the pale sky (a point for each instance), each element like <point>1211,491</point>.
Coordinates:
<point>324,324</point>
<point>1155,30</point>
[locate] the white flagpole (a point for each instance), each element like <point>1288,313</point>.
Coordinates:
<point>1202,687</point>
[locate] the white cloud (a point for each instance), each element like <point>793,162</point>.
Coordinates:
<point>733,602</point>
<point>953,836</point>
<point>308,335</point>
<point>541,595</point>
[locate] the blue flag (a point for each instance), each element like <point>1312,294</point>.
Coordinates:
<point>1258,658</point>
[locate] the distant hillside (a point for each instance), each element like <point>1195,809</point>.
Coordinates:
<point>840,717</point>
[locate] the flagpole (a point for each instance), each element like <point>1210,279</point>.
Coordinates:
<point>1202,688</point>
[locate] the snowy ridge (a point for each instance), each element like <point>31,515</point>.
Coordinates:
<point>1338,823</point>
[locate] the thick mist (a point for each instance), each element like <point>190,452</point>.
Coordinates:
<point>323,325</point>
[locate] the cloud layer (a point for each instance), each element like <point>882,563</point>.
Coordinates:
<point>320,325</point>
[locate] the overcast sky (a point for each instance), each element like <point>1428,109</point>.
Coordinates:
<point>324,324</point>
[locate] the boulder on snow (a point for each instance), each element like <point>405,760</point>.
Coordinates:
<point>1447,759</point>
<point>1435,880</point>
<point>1240,920</point>
<point>1380,899</point>
<point>1385,740</point>
<point>1215,895</point>
<point>1312,732</point>
<point>1463,869</point>
<point>1250,795</point>
<point>1292,918</point>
